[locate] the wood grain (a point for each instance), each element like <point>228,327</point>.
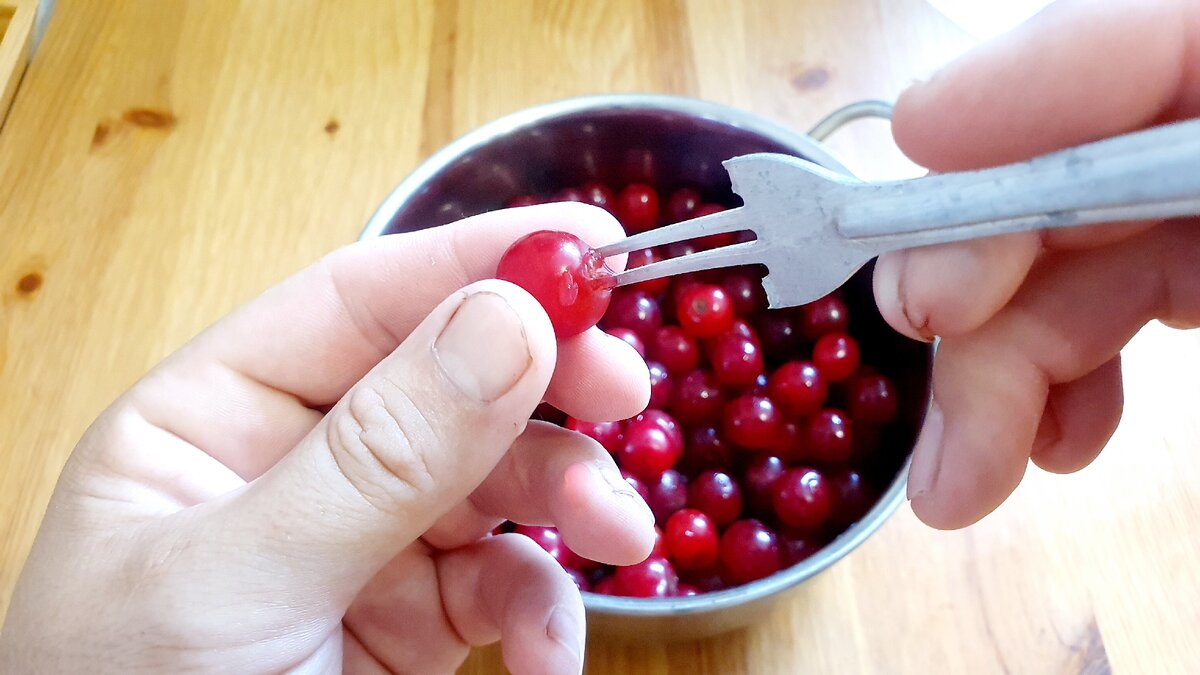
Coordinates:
<point>16,34</point>
<point>165,161</point>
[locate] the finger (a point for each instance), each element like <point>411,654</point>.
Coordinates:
<point>599,378</point>
<point>990,386</point>
<point>507,588</point>
<point>553,476</point>
<point>1080,417</point>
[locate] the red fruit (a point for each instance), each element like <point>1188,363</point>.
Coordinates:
<point>660,546</point>
<point>652,578</point>
<point>676,350</point>
<point>637,484</point>
<point>717,494</point>
<point>758,483</point>
<point>568,195</point>
<point>778,334</point>
<point>606,586</point>
<point>597,194</point>
<point>803,499</point>
<point>640,258</point>
<point>548,413</point>
<point>853,497</point>
<point>749,551</point>
<point>630,338</point>
<point>704,450</point>
<point>523,200</point>
<point>634,310</point>
<point>691,538</point>
<point>836,356</point>
<point>668,494</point>
<point>648,451</point>
<point>752,422</point>
<point>637,207</point>
<point>551,542</point>
<point>739,328</point>
<point>681,205</point>
<point>705,311</point>
<point>660,385</point>
<point>736,361</point>
<point>829,437</point>
<point>793,442</point>
<point>798,388</point>
<point>680,287</point>
<point>797,548</point>
<point>607,434</point>
<point>827,315</point>
<point>872,398</point>
<point>578,577</point>
<point>697,399</point>
<point>714,240</point>
<point>686,591</point>
<point>746,293</point>
<point>660,419</point>
<point>565,275</point>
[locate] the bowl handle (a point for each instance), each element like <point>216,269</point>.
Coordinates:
<point>847,114</point>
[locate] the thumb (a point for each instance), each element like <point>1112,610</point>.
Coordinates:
<point>409,441</point>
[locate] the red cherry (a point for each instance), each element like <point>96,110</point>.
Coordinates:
<point>648,451</point>
<point>793,442</point>
<point>713,240</point>
<point>637,207</point>
<point>705,449</point>
<point>827,315</point>
<point>551,542</point>
<point>836,356</point>
<point>634,310</point>
<point>523,200</point>
<point>682,204</point>
<point>752,422</point>
<point>659,550</point>
<point>652,578</point>
<point>548,413</point>
<point>830,440</point>
<point>803,499</point>
<point>597,194</point>
<point>705,311</point>
<point>640,258</point>
<point>676,350</point>
<point>581,581</point>
<point>798,388</point>
<point>736,361</point>
<point>686,591</point>
<point>637,484</point>
<point>565,275</point>
<point>606,586</point>
<point>607,434</point>
<point>749,551</point>
<point>717,494</point>
<point>660,385</point>
<point>758,483</point>
<point>629,337</point>
<point>691,538</point>
<point>662,420</point>
<point>778,333</point>
<point>668,494</point>
<point>697,398</point>
<point>797,548</point>
<point>746,293</point>
<point>570,194</point>
<point>853,497</point>
<point>872,398</point>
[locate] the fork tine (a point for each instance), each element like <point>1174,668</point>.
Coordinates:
<point>732,220</point>
<point>725,256</point>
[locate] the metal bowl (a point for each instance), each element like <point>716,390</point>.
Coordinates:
<point>668,141</point>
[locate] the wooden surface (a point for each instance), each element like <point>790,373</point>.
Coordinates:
<point>165,161</point>
<point>16,33</point>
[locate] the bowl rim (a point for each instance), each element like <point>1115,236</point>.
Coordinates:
<point>801,143</point>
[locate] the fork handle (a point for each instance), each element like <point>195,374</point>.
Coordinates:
<point>1144,175</point>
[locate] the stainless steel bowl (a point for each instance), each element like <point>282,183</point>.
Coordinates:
<point>669,141</point>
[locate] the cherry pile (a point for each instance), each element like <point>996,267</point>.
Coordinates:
<point>765,428</point>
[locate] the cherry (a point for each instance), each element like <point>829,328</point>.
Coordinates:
<point>640,258</point>
<point>853,497</point>
<point>675,349</point>
<point>570,194</point>
<point>717,494</point>
<point>682,204</point>
<point>872,398</point>
<point>597,194</point>
<point>797,548</point>
<point>736,360</point>
<point>551,542</point>
<point>759,388</point>
<point>634,310</point>
<point>581,581</point>
<point>548,413</point>
<point>660,385</point>
<point>826,315</point>
<point>705,449</point>
<point>746,293</point>
<point>651,578</point>
<point>630,338</point>
<point>523,200</point>
<point>606,586</point>
<point>637,207</point>
<point>697,398</point>
<point>798,388</point>
<point>758,483</point>
<point>778,333</point>
<point>749,551</point>
<point>803,499</point>
<point>659,550</point>
<point>662,420</point>
<point>681,286</point>
<point>691,538</point>
<point>705,311</point>
<point>713,240</point>
<point>678,249</point>
<point>648,451</point>
<point>793,442</point>
<point>829,436</point>
<point>686,590</point>
<point>668,494</point>
<point>607,434</point>
<point>565,275</point>
<point>637,484</point>
<point>752,422</point>
<point>836,356</point>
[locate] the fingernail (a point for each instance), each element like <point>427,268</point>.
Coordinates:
<point>483,349</point>
<point>927,453</point>
<point>564,628</point>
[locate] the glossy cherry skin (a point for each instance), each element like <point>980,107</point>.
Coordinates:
<point>635,310</point>
<point>570,194</point>
<point>705,449</point>
<point>640,258</point>
<point>826,315</point>
<point>799,388</point>
<point>565,275</point>
<point>580,579</point>
<point>758,484</point>
<point>691,538</point>
<point>704,311</point>
<point>746,293</point>
<point>648,451</point>
<point>749,550</point>
<point>606,586</point>
<point>853,497</point>
<point>656,417</point>
<point>830,437</point>
<point>872,398</point>
<point>736,360</point>
<point>629,337</point>
<point>752,422</point>
<point>717,494</point>
<point>551,542</point>
<point>798,547</point>
<point>836,355</point>
<point>686,590</point>
<point>697,399</point>
<point>597,194</point>
<point>607,434</point>
<point>637,484</point>
<point>668,494</point>
<point>548,413</point>
<point>713,240</point>
<point>778,334</point>
<point>681,205</point>
<point>523,200</point>
<point>675,349</point>
<point>651,578</point>
<point>803,499</point>
<point>637,207</point>
<point>660,385</point>
<point>793,442</point>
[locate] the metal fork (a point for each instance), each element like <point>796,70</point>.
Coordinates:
<point>815,228</point>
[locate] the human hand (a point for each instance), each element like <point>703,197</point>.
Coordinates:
<point>1031,325</point>
<point>309,484</point>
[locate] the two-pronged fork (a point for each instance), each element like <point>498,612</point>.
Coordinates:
<point>815,228</point>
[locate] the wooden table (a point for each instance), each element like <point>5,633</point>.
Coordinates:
<point>165,161</point>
